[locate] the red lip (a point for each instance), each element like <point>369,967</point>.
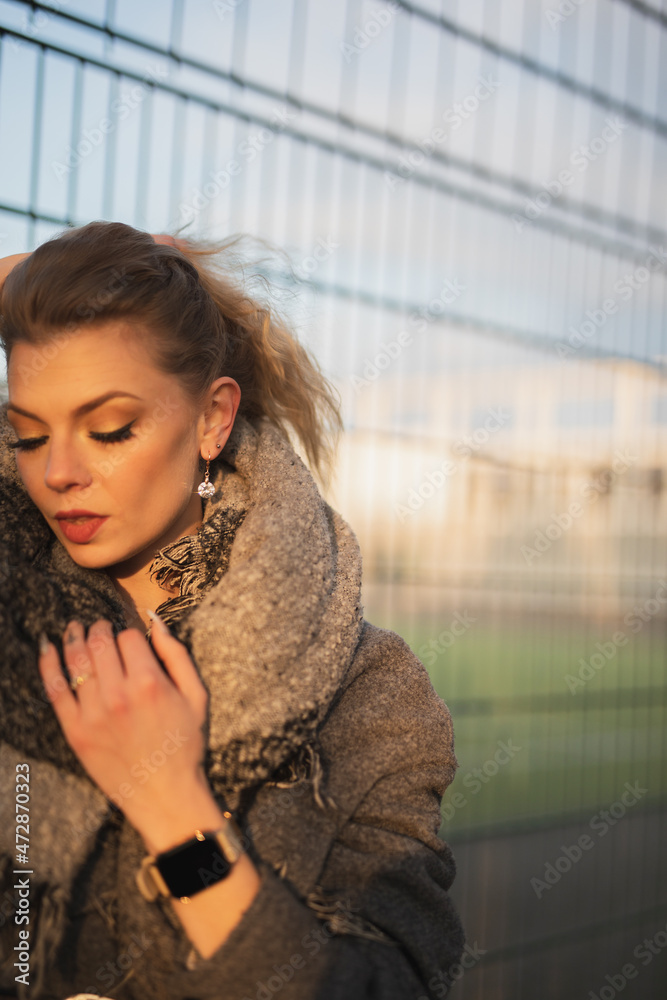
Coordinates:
<point>80,529</point>
<point>75,512</point>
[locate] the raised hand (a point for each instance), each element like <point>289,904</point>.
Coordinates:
<point>137,730</point>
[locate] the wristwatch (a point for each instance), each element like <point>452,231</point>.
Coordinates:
<point>188,868</point>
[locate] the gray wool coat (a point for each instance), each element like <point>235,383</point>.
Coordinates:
<point>326,739</point>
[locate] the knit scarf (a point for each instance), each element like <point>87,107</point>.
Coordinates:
<point>268,607</point>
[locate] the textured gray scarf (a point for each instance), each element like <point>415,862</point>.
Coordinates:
<point>269,607</point>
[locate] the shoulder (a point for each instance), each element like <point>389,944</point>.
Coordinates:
<point>387,710</point>
<point>383,758</point>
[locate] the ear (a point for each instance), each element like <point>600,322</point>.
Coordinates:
<point>221,406</point>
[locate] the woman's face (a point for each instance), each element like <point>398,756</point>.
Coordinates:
<point>65,398</point>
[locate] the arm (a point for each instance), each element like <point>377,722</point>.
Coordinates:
<point>209,916</point>
<point>387,884</point>
<point>385,864</point>
<point>120,714</point>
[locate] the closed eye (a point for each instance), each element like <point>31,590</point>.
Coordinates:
<point>111,437</point>
<point>26,444</point>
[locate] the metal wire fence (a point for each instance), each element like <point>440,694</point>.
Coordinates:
<point>473,196</point>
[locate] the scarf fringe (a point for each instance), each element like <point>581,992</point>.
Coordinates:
<point>340,918</point>
<point>306,765</point>
<point>194,563</point>
<point>184,561</point>
<point>331,911</point>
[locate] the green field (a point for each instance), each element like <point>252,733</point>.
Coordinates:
<point>566,753</point>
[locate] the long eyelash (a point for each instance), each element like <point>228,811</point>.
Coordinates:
<point>122,434</point>
<point>26,444</point>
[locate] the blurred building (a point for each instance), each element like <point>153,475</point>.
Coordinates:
<point>531,485</point>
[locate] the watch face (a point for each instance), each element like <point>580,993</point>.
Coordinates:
<point>193,866</point>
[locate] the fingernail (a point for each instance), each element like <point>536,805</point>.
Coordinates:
<point>72,629</point>
<point>43,643</point>
<point>157,621</point>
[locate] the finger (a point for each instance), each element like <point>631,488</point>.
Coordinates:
<point>177,661</point>
<point>77,659</point>
<point>141,665</point>
<point>107,661</point>
<point>55,684</point>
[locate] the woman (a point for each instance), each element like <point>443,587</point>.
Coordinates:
<point>218,779</point>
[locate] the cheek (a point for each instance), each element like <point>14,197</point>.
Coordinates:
<point>154,475</point>
<point>31,474</point>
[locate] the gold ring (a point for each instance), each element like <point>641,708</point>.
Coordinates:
<point>79,680</point>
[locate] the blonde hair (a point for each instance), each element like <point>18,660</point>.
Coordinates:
<point>190,297</point>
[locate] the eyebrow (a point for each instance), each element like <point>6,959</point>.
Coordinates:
<point>80,410</point>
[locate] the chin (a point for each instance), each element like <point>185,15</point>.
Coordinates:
<point>87,557</point>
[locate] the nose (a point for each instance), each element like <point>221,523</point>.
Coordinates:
<point>66,468</point>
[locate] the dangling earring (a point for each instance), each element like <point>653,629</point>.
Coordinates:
<point>206,489</point>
